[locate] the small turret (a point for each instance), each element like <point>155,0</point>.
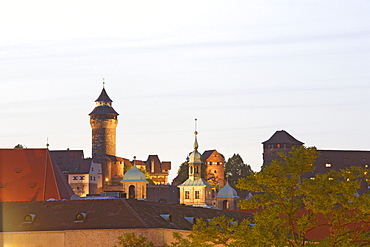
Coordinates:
<point>195,162</point>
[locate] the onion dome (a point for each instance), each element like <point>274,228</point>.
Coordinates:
<point>227,191</point>
<point>134,175</point>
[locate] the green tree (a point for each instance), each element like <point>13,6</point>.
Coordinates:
<point>182,174</point>
<point>281,193</point>
<point>130,240</point>
<point>236,169</point>
<point>219,231</point>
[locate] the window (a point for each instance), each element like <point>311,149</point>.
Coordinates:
<point>187,194</point>
<point>92,169</point>
<point>197,194</point>
<point>328,165</point>
<point>82,177</point>
<point>80,217</point>
<point>29,218</point>
<point>278,145</point>
<point>75,177</point>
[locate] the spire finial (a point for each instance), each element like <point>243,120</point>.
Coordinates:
<point>103,82</point>
<point>196,133</point>
<point>47,142</point>
<point>135,161</point>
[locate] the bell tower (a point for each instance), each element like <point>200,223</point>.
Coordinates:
<point>103,121</point>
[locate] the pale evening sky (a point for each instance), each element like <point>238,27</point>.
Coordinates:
<point>244,69</point>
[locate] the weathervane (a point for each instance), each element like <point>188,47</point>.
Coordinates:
<point>196,132</point>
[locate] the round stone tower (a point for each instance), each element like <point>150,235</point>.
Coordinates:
<point>103,121</point>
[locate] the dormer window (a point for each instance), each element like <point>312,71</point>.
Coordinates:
<point>166,217</point>
<point>29,218</point>
<point>191,220</point>
<point>80,217</point>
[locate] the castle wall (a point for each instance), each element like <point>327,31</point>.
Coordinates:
<point>85,238</point>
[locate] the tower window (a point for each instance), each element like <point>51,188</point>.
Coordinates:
<point>75,178</point>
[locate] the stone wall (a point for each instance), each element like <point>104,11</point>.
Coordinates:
<point>85,238</point>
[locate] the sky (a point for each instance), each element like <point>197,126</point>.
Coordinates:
<point>244,69</point>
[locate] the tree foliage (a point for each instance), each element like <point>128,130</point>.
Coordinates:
<point>19,146</point>
<point>219,231</point>
<point>182,174</point>
<point>236,169</point>
<point>130,240</point>
<point>282,194</point>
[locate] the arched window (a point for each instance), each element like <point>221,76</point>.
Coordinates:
<point>131,192</point>
<point>225,204</point>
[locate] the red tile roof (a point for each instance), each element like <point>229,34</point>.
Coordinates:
<point>31,175</point>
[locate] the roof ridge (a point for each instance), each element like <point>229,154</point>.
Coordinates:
<point>134,213</point>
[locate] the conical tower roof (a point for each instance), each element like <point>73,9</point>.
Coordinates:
<point>103,96</point>
<point>103,105</point>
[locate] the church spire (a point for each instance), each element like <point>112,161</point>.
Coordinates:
<point>195,161</point>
